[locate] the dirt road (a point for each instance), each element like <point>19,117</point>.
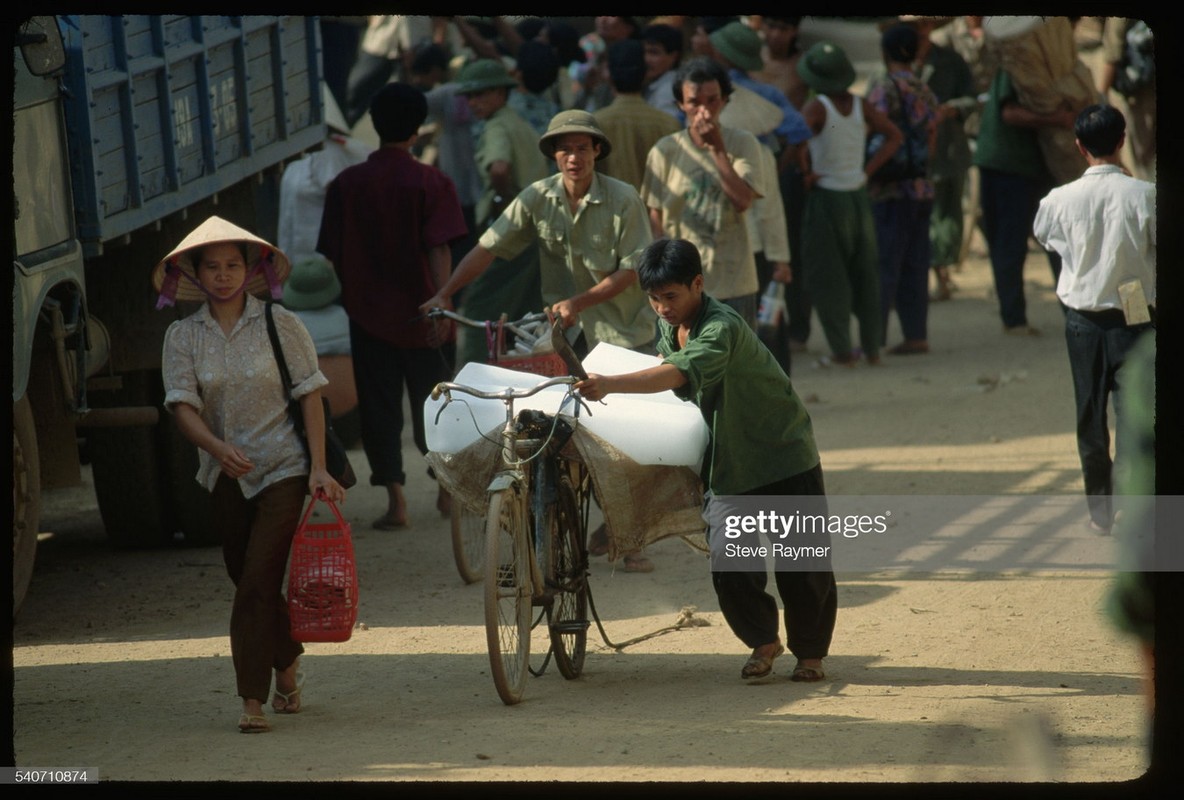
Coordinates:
<point>122,660</point>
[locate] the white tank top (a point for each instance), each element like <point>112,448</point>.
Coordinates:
<point>836,154</point>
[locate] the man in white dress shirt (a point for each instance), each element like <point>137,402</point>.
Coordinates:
<point>1103,226</point>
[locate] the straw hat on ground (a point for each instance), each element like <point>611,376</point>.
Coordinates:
<point>175,278</point>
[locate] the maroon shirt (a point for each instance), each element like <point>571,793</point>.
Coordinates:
<point>381,217</point>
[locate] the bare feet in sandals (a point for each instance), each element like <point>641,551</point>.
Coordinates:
<point>288,683</point>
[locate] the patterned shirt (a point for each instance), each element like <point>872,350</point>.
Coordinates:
<point>683,184</point>
<point>892,94</point>
<point>233,382</point>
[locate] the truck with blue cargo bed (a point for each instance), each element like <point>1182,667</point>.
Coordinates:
<point>128,131</point>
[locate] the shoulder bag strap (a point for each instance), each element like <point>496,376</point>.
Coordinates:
<point>277,350</point>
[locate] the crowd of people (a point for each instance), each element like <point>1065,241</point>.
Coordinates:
<point>652,183</point>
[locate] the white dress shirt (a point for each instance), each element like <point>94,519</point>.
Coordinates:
<point>1103,226</point>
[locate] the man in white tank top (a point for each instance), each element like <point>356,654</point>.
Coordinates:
<point>838,234</point>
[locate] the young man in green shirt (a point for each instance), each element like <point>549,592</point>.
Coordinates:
<point>762,443</point>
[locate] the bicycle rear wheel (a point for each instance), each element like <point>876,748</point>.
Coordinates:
<point>468,542</point>
<point>567,614</point>
<point>507,594</point>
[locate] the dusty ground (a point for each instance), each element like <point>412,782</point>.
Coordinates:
<point>122,660</point>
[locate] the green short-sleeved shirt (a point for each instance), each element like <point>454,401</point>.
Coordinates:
<point>607,233</point>
<point>1003,147</point>
<point>507,137</point>
<point>760,431</point>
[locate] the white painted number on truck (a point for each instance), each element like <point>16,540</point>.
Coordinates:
<point>225,108</point>
<point>183,119</point>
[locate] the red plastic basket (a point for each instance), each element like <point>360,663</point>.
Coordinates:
<point>549,364</point>
<point>322,579</point>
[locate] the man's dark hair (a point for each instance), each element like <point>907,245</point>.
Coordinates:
<point>1099,129</point>
<point>428,57</point>
<point>699,70</point>
<point>713,24</point>
<point>397,110</point>
<point>668,261</point>
<point>538,65</point>
<point>530,27</point>
<point>668,37</point>
<point>626,66</point>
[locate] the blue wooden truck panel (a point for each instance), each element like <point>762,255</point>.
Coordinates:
<point>164,111</point>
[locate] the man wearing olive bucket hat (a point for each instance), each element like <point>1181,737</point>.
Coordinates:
<point>591,230</point>
<point>222,385</point>
<point>839,249</point>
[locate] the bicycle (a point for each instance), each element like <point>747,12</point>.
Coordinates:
<point>536,527</point>
<point>468,524</point>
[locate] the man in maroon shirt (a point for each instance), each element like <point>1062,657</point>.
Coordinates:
<point>386,228</point>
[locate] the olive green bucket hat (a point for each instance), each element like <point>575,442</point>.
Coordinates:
<point>313,284</point>
<point>573,121</point>
<point>825,68</point>
<point>485,73</point>
<point>739,44</point>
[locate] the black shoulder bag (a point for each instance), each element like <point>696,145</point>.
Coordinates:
<point>336,461</point>
<point>911,159</point>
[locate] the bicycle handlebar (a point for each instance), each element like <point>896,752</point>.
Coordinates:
<point>509,393</point>
<point>532,318</point>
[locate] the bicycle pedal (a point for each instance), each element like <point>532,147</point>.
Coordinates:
<point>571,625</point>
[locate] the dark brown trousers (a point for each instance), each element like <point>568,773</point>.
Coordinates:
<point>256,540</point>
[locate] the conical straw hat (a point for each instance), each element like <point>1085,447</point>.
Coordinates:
<point>213,231</point>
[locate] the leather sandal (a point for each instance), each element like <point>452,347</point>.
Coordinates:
<point>758,666</point>
<point>802,673</point>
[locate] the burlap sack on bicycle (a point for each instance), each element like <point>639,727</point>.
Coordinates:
<point>641,503</point>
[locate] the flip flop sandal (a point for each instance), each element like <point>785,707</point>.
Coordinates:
<point>250,723</point>
<point>288,702</point>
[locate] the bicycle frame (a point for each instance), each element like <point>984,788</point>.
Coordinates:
<point>539,482</point>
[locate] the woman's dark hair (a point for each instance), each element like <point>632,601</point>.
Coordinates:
<point>668,261</point>
<point>196,252</point>
<point>1100,128</point>
<point>900,43</point>
<point>699,70</point>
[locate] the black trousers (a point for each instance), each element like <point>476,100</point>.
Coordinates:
<point>810,599</point>
<point>380,372</point>
<point>1098,342</point>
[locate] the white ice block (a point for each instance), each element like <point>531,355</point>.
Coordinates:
<point>467,418</point>
<point>648,428</point>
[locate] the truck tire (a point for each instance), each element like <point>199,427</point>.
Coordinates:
<point>26,500</point>
<point>144,477</point>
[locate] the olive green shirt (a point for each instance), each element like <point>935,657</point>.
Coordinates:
<point>1007,148</point>
<point>507,137</point>
<point>760,431</point>
<point>607,233</point>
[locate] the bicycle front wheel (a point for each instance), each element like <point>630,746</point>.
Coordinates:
<point>567,614</point>
<point>468,542</point>
<point>507,594</point>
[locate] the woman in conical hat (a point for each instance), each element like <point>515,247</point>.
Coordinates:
<point>222,384</point>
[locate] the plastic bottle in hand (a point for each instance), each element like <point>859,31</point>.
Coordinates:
<point>772,306</point>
